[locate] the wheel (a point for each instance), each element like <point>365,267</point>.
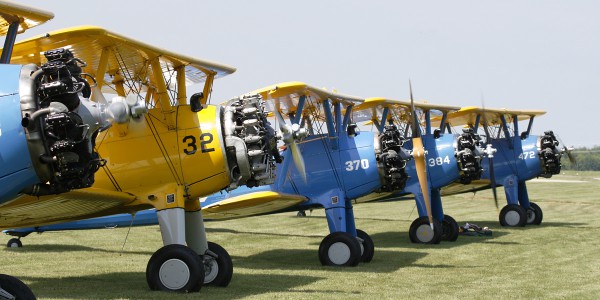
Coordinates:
<point>339,249</point>
<point>513,215</point>
<point>301,213</point>
<point>420,231</point>
<point>367,246</point>
<point>175,268</point>
<point>14,243</point>
<point>534,214</point>
<point>218,267</point>
<point>449,229</point>
<point>14,287</point>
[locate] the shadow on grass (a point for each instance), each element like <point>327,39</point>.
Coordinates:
<point>232,231</point>
<point>296,259</point>
<point>393,239</point>
<point>45,248</point>
<point>132,285</point>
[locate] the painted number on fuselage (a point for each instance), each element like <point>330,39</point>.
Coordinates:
<point>438,161</point>
<point>355,165</point>
<point>527,155</point>
<point>190,141</point>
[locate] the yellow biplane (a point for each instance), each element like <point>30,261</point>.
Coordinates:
<point>160,151</point>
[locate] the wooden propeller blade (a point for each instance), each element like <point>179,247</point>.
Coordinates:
<point>419,156</point>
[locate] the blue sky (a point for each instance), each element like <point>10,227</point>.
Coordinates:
<point>517,54</point>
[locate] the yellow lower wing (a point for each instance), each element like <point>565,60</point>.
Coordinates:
<point>250,205</point>
<point>75,205</point>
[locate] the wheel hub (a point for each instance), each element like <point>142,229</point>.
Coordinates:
<point>174,274</point>
<point>339,253</point>
<point>424,233</point>
<point>512,218</point>
<point>211,269</point>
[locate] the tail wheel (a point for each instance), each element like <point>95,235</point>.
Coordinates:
<point>218,267</point>
<point>339,249</point>
<point>449,229</point>
<point>513,215</point>
<point>14,243</point>
<point>13,288</point>
<point>420,231</point>
<point>534,214</point>
<point>367,246</point>
<point>175,268</point>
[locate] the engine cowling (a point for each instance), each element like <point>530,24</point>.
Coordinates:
<point>391,159</point>
<point>549,154</point>
<point>250,141</point>
<point>60,123</point>
<point>468,156</point>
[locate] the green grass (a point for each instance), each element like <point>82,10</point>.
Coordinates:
<point>276,256</point>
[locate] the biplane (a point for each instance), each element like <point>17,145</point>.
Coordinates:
<point>14,19</point>
<point>443,158</point>
<point>146,147</point>
<point>520,156</point>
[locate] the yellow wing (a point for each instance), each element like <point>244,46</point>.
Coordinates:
<point>468,115</point>
<point>250,205</point>
<point>75,205</point>
<point>285,97</point>
<point>372,109</point>
<point>27,16</point>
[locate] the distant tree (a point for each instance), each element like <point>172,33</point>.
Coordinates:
<point>588,159</point>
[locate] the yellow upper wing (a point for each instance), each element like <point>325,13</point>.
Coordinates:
<point>125,57</point>
<point>400,110</point>
<point>285,97</point>
<point>27,16</point>
<point>250,205</point>
<point>468,115</point>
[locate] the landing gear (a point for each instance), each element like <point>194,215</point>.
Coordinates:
<point>449,229</point>
<point>339,249</point>
<point>218,267</point>
<point>301,213</point>
<point>534,214</point>
<point>175,268</point>
<point>14,243</point>
<point>367,246</point>
<point>13,288</point>
<point>420,231</point>
<point>513,215</point>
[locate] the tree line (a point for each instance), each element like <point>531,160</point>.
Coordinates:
<point>587,159</point>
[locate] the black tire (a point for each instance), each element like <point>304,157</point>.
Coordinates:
<point>15,287</point>
<point>173,260</point>
<point>14,243</point>
<point>218,268</point>
<point>339,249</point>
<point>513,215</point>
<point>301,213</point>
<point>420,231</point>
<point>449,229</point>
<point>367,246</point>
<point>534,214</point>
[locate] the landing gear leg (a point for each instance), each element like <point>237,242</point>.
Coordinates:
<point>217,264</point>
<point>342,247</point>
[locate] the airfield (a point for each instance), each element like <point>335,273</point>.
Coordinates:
<point>275,256</point>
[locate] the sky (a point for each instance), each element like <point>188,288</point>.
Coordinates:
<point>517,54</point>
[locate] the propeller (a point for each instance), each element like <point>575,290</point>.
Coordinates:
<point>567,150</point>
<point>291,133</point>
<point>489,151</point>
<point>419,154</point>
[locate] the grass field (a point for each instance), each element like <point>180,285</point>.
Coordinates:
<point>276,256</point>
